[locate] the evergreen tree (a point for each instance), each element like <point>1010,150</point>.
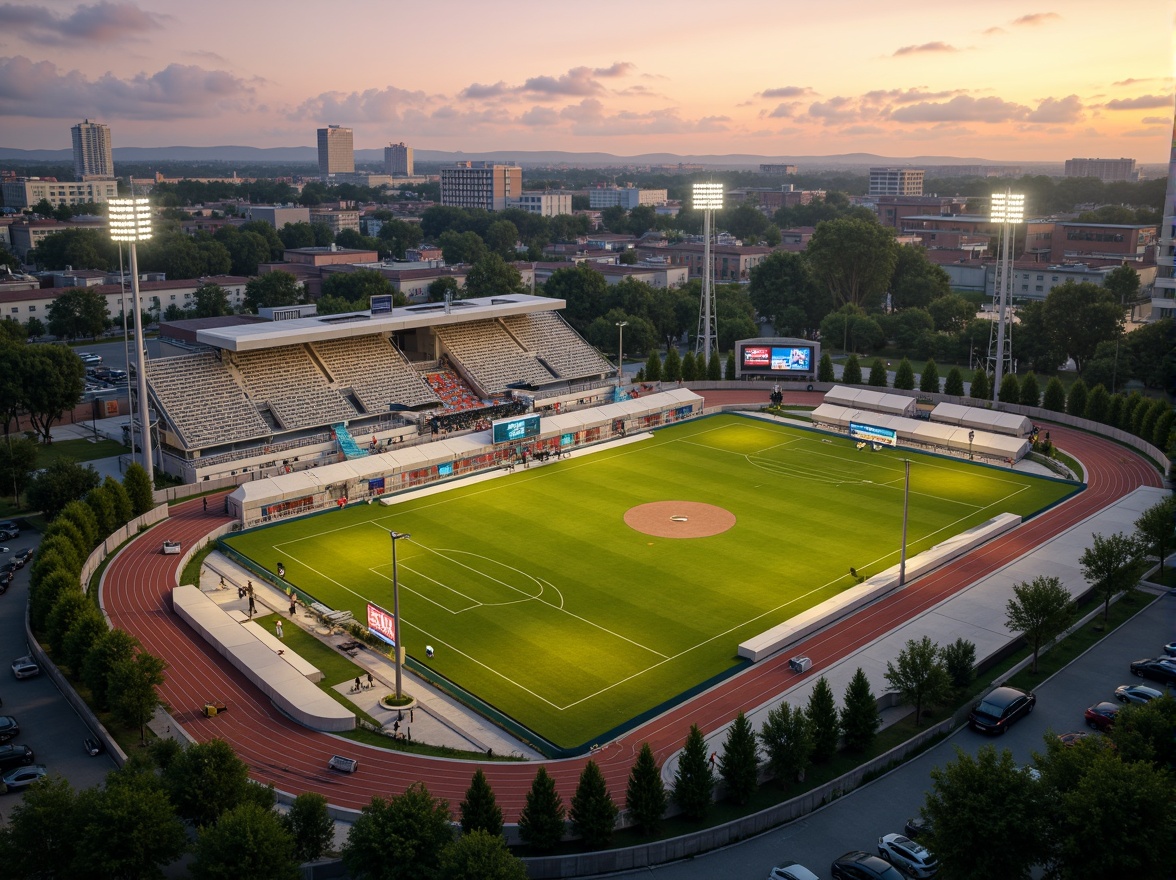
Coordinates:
<point>823,721</point>
<point>825,369</point>
<point>714,369</point>
<point>1115,410</point>
<point>729,372</point>
<point>1055,395</point>
<point>1030,390</point>
<point>480,810</point>
<point>689,367</point>
<point>672,366</point>
<point>1147,425</point>
<point>541,822</point>
<point>594,815</point>
<point>852,373</point>
<point>959,659</point>
<point>653,367</point>
<point>139,489</point>
<point>1162,433</point>
<point>954,383</point>
<point>788,742</point>
<point>1010,389</point>
<point>738,765</point>
<point>1076,399</point>
<point>980,387</point>
<point>694,784</point>
<point>1098,404</point>
<point>860,719</point>
<point>929,378</point>
<point>1131,403</point>
<point>904,376</point>
<point>878,377</point>
<point>645,797</point>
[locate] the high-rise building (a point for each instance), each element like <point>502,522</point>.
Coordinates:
<point>336,151</point>
<point>626,197</point>
<point>896,181</point>
<point>92,155</point>
<point>1107,170</point>
<point>1163,304</point>
<point>480,185</point>
<point>398,160</point>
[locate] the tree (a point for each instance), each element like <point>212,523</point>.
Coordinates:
<point>645,796</point>
<point>1030,390</point>
<point>878,377</point>
<point>47,588</point>
<point>40,838</point>
<point>917,282</point>
<point>1112,566</point>
<point>593,813</point>
<point>739,763</point>
<point>440,287</point>
<point>247,250</point>
<point>139,489</point>
<point>954,383</point>
<point>854,259</point>
<point>919,675</point>
<point>35,328</point>
<point>490,275</point>
<point>788,742</point>
<point>273,289</point>
<point>904,376</point>
<point>653,365</point>
<point>461,247</point>
<point>714,368</point>
<point>18,460</point>
<point>80,248</point>
<point>689,367</point>
<point>959,659</point>
<point>1162,433</point>
<point>86,628</point>
<point>694,783</point>
<point>134,691</point>
<point>246,841</point>
<point>102,504</point>
<point>1144,427</point>
<point>205,779</point>
<point>107,651</point>
<point>1077,399</point>
<point>54,379</point>
<point>929,378</point>
<point>729,369</point>
<point>480,856</point>
<point>1143,732</point>
<point>825,369</point>
<point>1040,610</point>
<point>210,300</point>
<point>399,839</point>
<point>120,501</point>
<point>980,388</point>
<point>1098,404</point>
<point>541,822</point>
<point>950,313</point>
<point>479,810</point>
<point>1080,315</point>
<point>78,312</point>
<point>310,826</point>
<point>1055,396</point>
<point>974,801</point>
<point>851,373</point>
<point>61,482</point>
<point>860,718</point>
<point>359,287</point>
<point>672,366</point>
<point>784,292</point>
<point>1010,389</point>
<point>823,723</point>
<point>297,235</point>
<point>1157,529</point>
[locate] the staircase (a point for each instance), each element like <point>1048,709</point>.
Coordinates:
<point>347,443</point>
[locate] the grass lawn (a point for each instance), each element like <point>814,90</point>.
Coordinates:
<point>542,601</point>
<point>79,450</point>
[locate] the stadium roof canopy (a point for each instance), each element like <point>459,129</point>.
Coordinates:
<point>982,419</point>
<point>876,401</point>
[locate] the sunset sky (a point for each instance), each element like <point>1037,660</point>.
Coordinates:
<point>1011,80</point>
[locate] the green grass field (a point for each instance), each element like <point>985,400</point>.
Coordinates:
<point>541,601</point>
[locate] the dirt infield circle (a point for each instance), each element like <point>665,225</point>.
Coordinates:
<point>679,519</point>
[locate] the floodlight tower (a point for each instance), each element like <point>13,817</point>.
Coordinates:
<point>708,198</point>
<point>1008,209</point>
<point>130,221</point>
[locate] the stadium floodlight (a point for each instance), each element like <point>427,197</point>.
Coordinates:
<point>621,325</point>
<point>396,649</point>
<point>130,222</point>
<point>708,198</point>
<point>1007,209</point>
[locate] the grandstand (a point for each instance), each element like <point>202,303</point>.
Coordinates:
<point>268,397</point>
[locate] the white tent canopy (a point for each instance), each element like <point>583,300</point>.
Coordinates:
<point>982,419</point>
<point>869,399</point>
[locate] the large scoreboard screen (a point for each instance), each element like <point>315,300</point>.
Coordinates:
<point>513,430</point>
<point>778,358</point>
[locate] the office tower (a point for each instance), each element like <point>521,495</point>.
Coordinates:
<point>398,160</point>
<point>1106,170</point>
<point>896,181</point>
<point>336,151</point>
<point>480,185</point>
<point>92,155</point>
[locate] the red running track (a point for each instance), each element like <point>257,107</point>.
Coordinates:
<point>138,582</point>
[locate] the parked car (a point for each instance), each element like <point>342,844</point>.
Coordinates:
<point>1162,669</point>
<point>916,827</point>
<point>25,667</point>
<point>8,534</point>
<point>858,865</point>
<point>14,780</point>
<point>23,556</point>
<point>171,548</point>
<point>911,858</point>
<point>5,580</point>
<point>9,728</point>
<point>1170,649</point>
<point>791,871</point>
<point>89,358</point>
<point>15,756</point>
<point>1072,738</point>
<point>93,746</point>
<point>1030,771</point>
<point>997,711</point>
<point>1136,693</point>
<point>1101,716</point>
<point>10,526</point>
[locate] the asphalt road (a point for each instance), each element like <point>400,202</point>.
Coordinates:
<point>48,724</point>
<point>857,820</point>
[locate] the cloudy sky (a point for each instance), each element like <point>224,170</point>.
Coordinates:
<point>1016,80</point>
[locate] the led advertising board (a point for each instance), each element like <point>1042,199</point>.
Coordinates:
<point>381,624</point>
<point>873,434</point>
<point>382,304</point>
<point>778,358</point>
<point>513,430</point>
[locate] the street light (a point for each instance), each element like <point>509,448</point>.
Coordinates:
<point>621,325</point>
<point>130,221</point>
<point>708,198</point>
<point>396,649</point>
<point>971,437</point>
<point>1008,209</point>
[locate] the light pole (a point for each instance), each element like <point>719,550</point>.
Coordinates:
<point>906,500</point>
<point>621,325</point>
<point>130,221</point>
<point>396,536</point>
<point>1008,210</point>
<point>971,437</point>
<point>708,198</point>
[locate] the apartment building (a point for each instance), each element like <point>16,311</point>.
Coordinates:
<point>896,181</point>
<point>483,185</point>
<point>731,262</point>
<point>278,216</point>
<point>398,160</point>
<point>627,197</point>
<point>543,204</point>
<point>1106,170</point>
<point>92,153</point>
<point>1163,304</point>
<point>1103,241</point>
<point>336,151</point>
<point>24,192</point>
<point>893,210</point>
<point>157,296</point>
<point>337,219</point>
<point>27,234</point>
<point>777,169</point>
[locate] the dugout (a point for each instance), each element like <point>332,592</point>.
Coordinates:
<point>982,419</point>
<point>775,357</point>
<point>874,401</point>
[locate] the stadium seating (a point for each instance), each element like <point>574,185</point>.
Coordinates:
<point>455,395</point>
<point>295,389</point>
<point>558,344</point>
<point>220,413</point>
<point>375,371</point>
<point>492,356</point>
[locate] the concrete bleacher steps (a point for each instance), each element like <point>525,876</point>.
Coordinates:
<point>803,625</point>
<point>285,678</point>
<point>221,412</point>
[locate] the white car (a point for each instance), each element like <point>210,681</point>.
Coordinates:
<point>89,358</point>
<point>913,859</point>
<point>171,548</point>
<point>791,871</point>
<point>25,667</point>
<point>24,777</point>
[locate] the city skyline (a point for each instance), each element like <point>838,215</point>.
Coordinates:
<point>1010,82</point>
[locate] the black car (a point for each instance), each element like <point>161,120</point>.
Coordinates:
<point>916,827</point>
<point>15,756</point>
<point>997,711</point>
<point>23,556</point>
<point>8,534</point>
<point>860,865</point>
<point>1162,669</point>
<point>9,728</point>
